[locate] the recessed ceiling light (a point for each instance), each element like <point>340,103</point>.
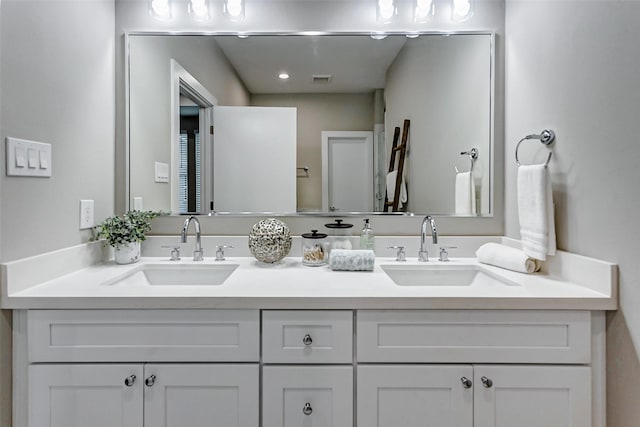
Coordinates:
<point>243,35</point>
<point>283,76</point>
<point>379,35</point>
<point>412,35</point>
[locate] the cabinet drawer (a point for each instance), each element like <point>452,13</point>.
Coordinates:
<point>309,396</point>
<point>307,336</point>
<point>473,336</point>
<point>145,335</point>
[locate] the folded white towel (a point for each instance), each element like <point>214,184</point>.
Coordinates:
<point>465,193</point>
<point>391,188</point>
<point>352,260</point>
<point>535,211</point>
<point>506,257</point>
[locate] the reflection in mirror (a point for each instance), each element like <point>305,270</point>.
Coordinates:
<point>305,160</point>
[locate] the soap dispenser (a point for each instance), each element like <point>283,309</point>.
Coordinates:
<point>367,238</point>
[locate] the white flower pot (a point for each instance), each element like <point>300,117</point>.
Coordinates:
<point>128,253</point>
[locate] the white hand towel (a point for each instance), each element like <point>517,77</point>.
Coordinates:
<point>391,188</point>
<point>506,257</point>
<point>352,260</point>
<point>465,193</point>
<point>535,211</point>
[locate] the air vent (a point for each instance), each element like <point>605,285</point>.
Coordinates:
<point>321,78</point>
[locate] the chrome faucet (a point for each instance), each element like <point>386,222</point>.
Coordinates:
<point>423,254</point>
<point>197,253</point>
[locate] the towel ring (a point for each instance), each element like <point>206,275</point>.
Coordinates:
<point>546,137</point>
<point>473,155</point>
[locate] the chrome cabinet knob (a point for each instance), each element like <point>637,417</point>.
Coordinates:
<point>307,410</point>
<point>306,340</point>
<point>130,380</point>
<point>486,382</point>
<point>150,381</point>
<point>466,382</point>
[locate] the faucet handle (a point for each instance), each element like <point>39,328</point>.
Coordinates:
<point>175,251</point>
<point>401,256</point>
<point>220,252</point>
<point>444,255</point>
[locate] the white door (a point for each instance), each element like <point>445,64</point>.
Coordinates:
<point>415,396</point>
<point>85,395</point>
<point>307,396</point>
<point>254,159</point>
<point>347,171</point>
<point>532,396</point>
<point>201,395</point>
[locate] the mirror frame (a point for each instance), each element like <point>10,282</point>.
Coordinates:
<point>492,121</point>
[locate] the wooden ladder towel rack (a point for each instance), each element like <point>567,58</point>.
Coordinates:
<point>401,149</point>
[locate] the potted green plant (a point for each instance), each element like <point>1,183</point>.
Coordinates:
<point>124,233</point>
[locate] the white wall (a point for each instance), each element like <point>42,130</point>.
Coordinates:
<point>574,66</point>
<point>58,87</point>
<point>441,84</point>
<point>150,102</point>
<point>296,15</point>
<point>317,113</point>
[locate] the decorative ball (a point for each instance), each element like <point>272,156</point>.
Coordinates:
<point>270,240</point>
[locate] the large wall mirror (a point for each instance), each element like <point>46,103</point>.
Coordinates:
<point>215,124</point>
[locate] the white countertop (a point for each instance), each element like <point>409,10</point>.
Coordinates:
<point>290,285</point>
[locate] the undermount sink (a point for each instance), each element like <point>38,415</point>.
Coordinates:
<point>176,275</point>
<point>443,275</point>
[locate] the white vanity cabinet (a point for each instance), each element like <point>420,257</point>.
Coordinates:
<point>307,378</point>
<point>75,378</point>
<point>311,368</point>
<point>106,395</point>
<point>553,389</point>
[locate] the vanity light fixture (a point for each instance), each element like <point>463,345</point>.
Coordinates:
<point>461,10</point>
<point>199,10</point>
<point>386,10</point>
<point>423,10</point>
<point>284,76</point>
<point>160,9</point>
<point>234,10</point>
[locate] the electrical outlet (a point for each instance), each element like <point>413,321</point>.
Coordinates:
<point>86,214</point>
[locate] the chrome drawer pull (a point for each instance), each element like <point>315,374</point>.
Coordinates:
<point>307,410</point>
<point>307,340</point>
<point>486,382</point>
<point>466,382</point>
<point>150,381</point>
<point>130,380</point>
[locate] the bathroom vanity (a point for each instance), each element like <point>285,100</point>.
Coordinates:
<point>290,345</point>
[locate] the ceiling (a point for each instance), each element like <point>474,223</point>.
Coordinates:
<point>355,63</point>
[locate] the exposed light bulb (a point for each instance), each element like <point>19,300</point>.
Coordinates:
<point>160,9</point>
<point>386,10</point>
<point>283,76</point>
<point>423,10</point>
<point>199,10</point>
<point>234,9</point>
<point>461,10</point>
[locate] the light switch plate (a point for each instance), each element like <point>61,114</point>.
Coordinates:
<point>28,158</point>
<point>162,172</point>
<point>86,214</point>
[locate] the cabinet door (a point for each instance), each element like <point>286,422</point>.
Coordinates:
<point>307,396</point>
<point>201,395</point>
<point>532,396</point>
<point>85,395</point>
<point>415,396</point>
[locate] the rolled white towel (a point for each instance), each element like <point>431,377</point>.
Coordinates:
<point>506,257</point>
<point>352,260</point>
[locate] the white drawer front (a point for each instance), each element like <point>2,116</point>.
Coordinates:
<point>473,336</point>
<point>307,336</point>
<point>309,396</point>
<point>144,335</point>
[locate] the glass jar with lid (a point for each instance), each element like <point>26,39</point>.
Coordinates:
<point>314,248</point>
<point>340,234</point>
